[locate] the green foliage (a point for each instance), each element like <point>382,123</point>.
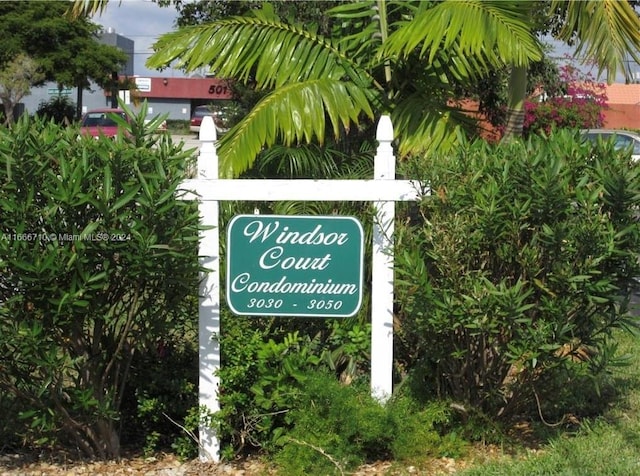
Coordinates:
<point>284,392</point>
<point>59,109</point>
<point>186,445</point>
<point>16,79</point>
<point>348,349</point>
<point>338,427</point>
<point>281,367</point>
<point>517,268</point>
<point>334,426</point>
<point>264,369</point>
<point>162,395</point>
<point>422,430</point>
<point>321,84</point>
<point>409,59</point>
<point>455,25</point>
<point>615,33</point>
<point>67,49</point>
<point>266,365</point>
<point>98,259</point>
<point>239,344</point>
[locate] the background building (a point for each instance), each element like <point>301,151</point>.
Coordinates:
<point>174,96</point>
<point>111,38</point>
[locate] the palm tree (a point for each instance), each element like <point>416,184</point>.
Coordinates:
<point>499,33</point>
<point>401,58</point>
<point>317,83</point>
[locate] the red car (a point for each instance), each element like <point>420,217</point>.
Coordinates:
<point>198,114</point>
<point>97,122</point>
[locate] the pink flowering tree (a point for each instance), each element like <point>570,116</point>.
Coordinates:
<point>581,106</point>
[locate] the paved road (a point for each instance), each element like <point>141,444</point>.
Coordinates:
<point>190,141</point>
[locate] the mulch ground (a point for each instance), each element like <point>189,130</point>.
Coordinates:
<point>168,465</point>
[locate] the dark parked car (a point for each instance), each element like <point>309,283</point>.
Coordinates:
<point>623,139</point>
<point>198,114</point>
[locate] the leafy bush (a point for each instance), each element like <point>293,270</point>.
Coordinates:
<point>581,105</point>
<point>10,408</point>
<point>337,427</point>
<point>334,426</point>
<point>517,268</point>
<point>163,393</point>
<point>422,430</point>
<point>98,258</point>
<point>266,362</point>
<point>279,394</point>
<point>59,109</point>
<point>264,367</point>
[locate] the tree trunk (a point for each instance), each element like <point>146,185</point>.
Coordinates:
<point>79,102</point>
<point>8,111</point>
<point>108,438</point>
<point>515,111</point>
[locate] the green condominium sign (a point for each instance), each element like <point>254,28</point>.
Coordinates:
<point>294,265</point>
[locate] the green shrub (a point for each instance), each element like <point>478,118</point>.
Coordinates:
<point>264,368</point>
<point>334,426</point>
<point>422,430</point>
<point>337,427</point>
<point>516,269</point>
<point>98,259</point>
<point>59,109</point>
<point>158,403</point>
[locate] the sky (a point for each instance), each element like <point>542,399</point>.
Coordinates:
<point>142,21</point>
<point>564,54</point>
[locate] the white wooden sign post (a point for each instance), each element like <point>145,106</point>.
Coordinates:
<point>384,190</point>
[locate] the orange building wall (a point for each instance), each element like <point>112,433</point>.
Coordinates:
<point>622,116</point>
<point>624,106</point>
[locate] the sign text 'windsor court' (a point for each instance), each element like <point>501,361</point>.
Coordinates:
<point>294,265</point>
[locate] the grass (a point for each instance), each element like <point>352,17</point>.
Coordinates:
<point>605,445</point>
<point>175,126</point>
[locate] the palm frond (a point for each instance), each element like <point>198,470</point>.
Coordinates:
<point>607,32</point>
<point>425,127</point>
<point>497,31</point>
<point>304,161</point>
<point>359,28</point>
<point>87,8</point>
<point>360,167</point>
<point>292,114</point>
<point>275,52</point>
<point>303,208</point>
